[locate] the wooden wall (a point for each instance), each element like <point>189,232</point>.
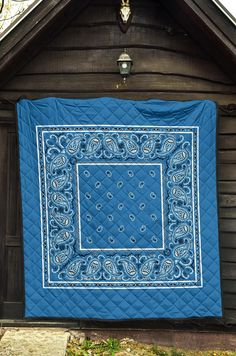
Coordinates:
<point>81,62</point>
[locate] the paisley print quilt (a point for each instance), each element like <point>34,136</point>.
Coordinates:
<point>119,208</point>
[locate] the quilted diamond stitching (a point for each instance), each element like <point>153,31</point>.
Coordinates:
<point>119,304</point>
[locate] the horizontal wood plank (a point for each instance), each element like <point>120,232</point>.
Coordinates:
<point>227,200</point>
<point>228,213</point>
<point>14,287</point>
<point>95,61</point>
<point>3,213</point>
<point>12,310</point>
<point>227,187</point>
<point>227,239</point>
<point>112,82</point>
<point>43,14</point>
<point>227,125</point>
<point>222,99</point>
<point>230,316</point>
<point>228,255</point>
<point>227,225</point>
<point>227,172</point>
<point>226,142</point>
<point>228,156</point>
<point>229,301</point>
<point>13,223</point>
<point>143,13</point>
<point>7,113</point>
<point>108,36</point>
<point>228,286</point>
<point>136,3</point>
<point>37,29</point>
<point>7,117</point>
<point>228,270</point>
<point>202,28</point>
<point>13,241</point>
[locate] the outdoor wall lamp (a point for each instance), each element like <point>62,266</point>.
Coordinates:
<point>125,63</point>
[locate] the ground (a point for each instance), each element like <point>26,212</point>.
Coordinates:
<point>33,341</point>
<point>129,347</point>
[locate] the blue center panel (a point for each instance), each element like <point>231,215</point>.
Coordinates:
<point>120,206</point>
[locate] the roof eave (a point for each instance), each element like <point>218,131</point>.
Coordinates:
<point>210,28</point>
<point>202,20</point>
<point>33,32</point>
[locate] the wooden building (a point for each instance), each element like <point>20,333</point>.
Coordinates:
<point>182,50</point>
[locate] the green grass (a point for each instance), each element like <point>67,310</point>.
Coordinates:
<point>158,352</point>
<point>174,352</point>
<point>88,347</point>
<point>112,347</point>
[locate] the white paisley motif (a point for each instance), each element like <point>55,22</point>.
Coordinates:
<point>165,267</point>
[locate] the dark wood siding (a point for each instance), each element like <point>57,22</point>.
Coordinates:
<point>81,62</point>
<point>11,270</point>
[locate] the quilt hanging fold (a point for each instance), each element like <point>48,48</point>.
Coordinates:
<point>119,208</point>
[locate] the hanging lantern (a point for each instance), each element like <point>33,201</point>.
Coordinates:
<point>125,63</point>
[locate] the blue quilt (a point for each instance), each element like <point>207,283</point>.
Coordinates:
<point>119,208</point>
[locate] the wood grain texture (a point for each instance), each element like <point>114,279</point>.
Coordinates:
<point>210,10</point>
<point>227,200</point>
<point>227,172</point>
<point>227,225</point>
<point>228,239</point>
<point>146,60</point>
<point>227,142</point>
<point>213,36</point>
<point>226,187</point>
<point>14,290</point>
<point>143,13</point>
<point>28,37</point>
<point>13,258</point>
<point>228,254</point>
<point>80,62</point>
<point>13,223</point>
<point>112,82</point>
<point>230,300</point>
<point>11,243</point>
<point>228,270</point>
<point>121,92</point>
<point>3,191</point>
<point>227,156</point>
<point>229,316</point>
<point>229,286</point>
<point>227,125</point>
<point>110,36</point>
<point>12,310</point>
<point>228,213</point>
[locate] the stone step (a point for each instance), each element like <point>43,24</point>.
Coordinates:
<point>34,342</point>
